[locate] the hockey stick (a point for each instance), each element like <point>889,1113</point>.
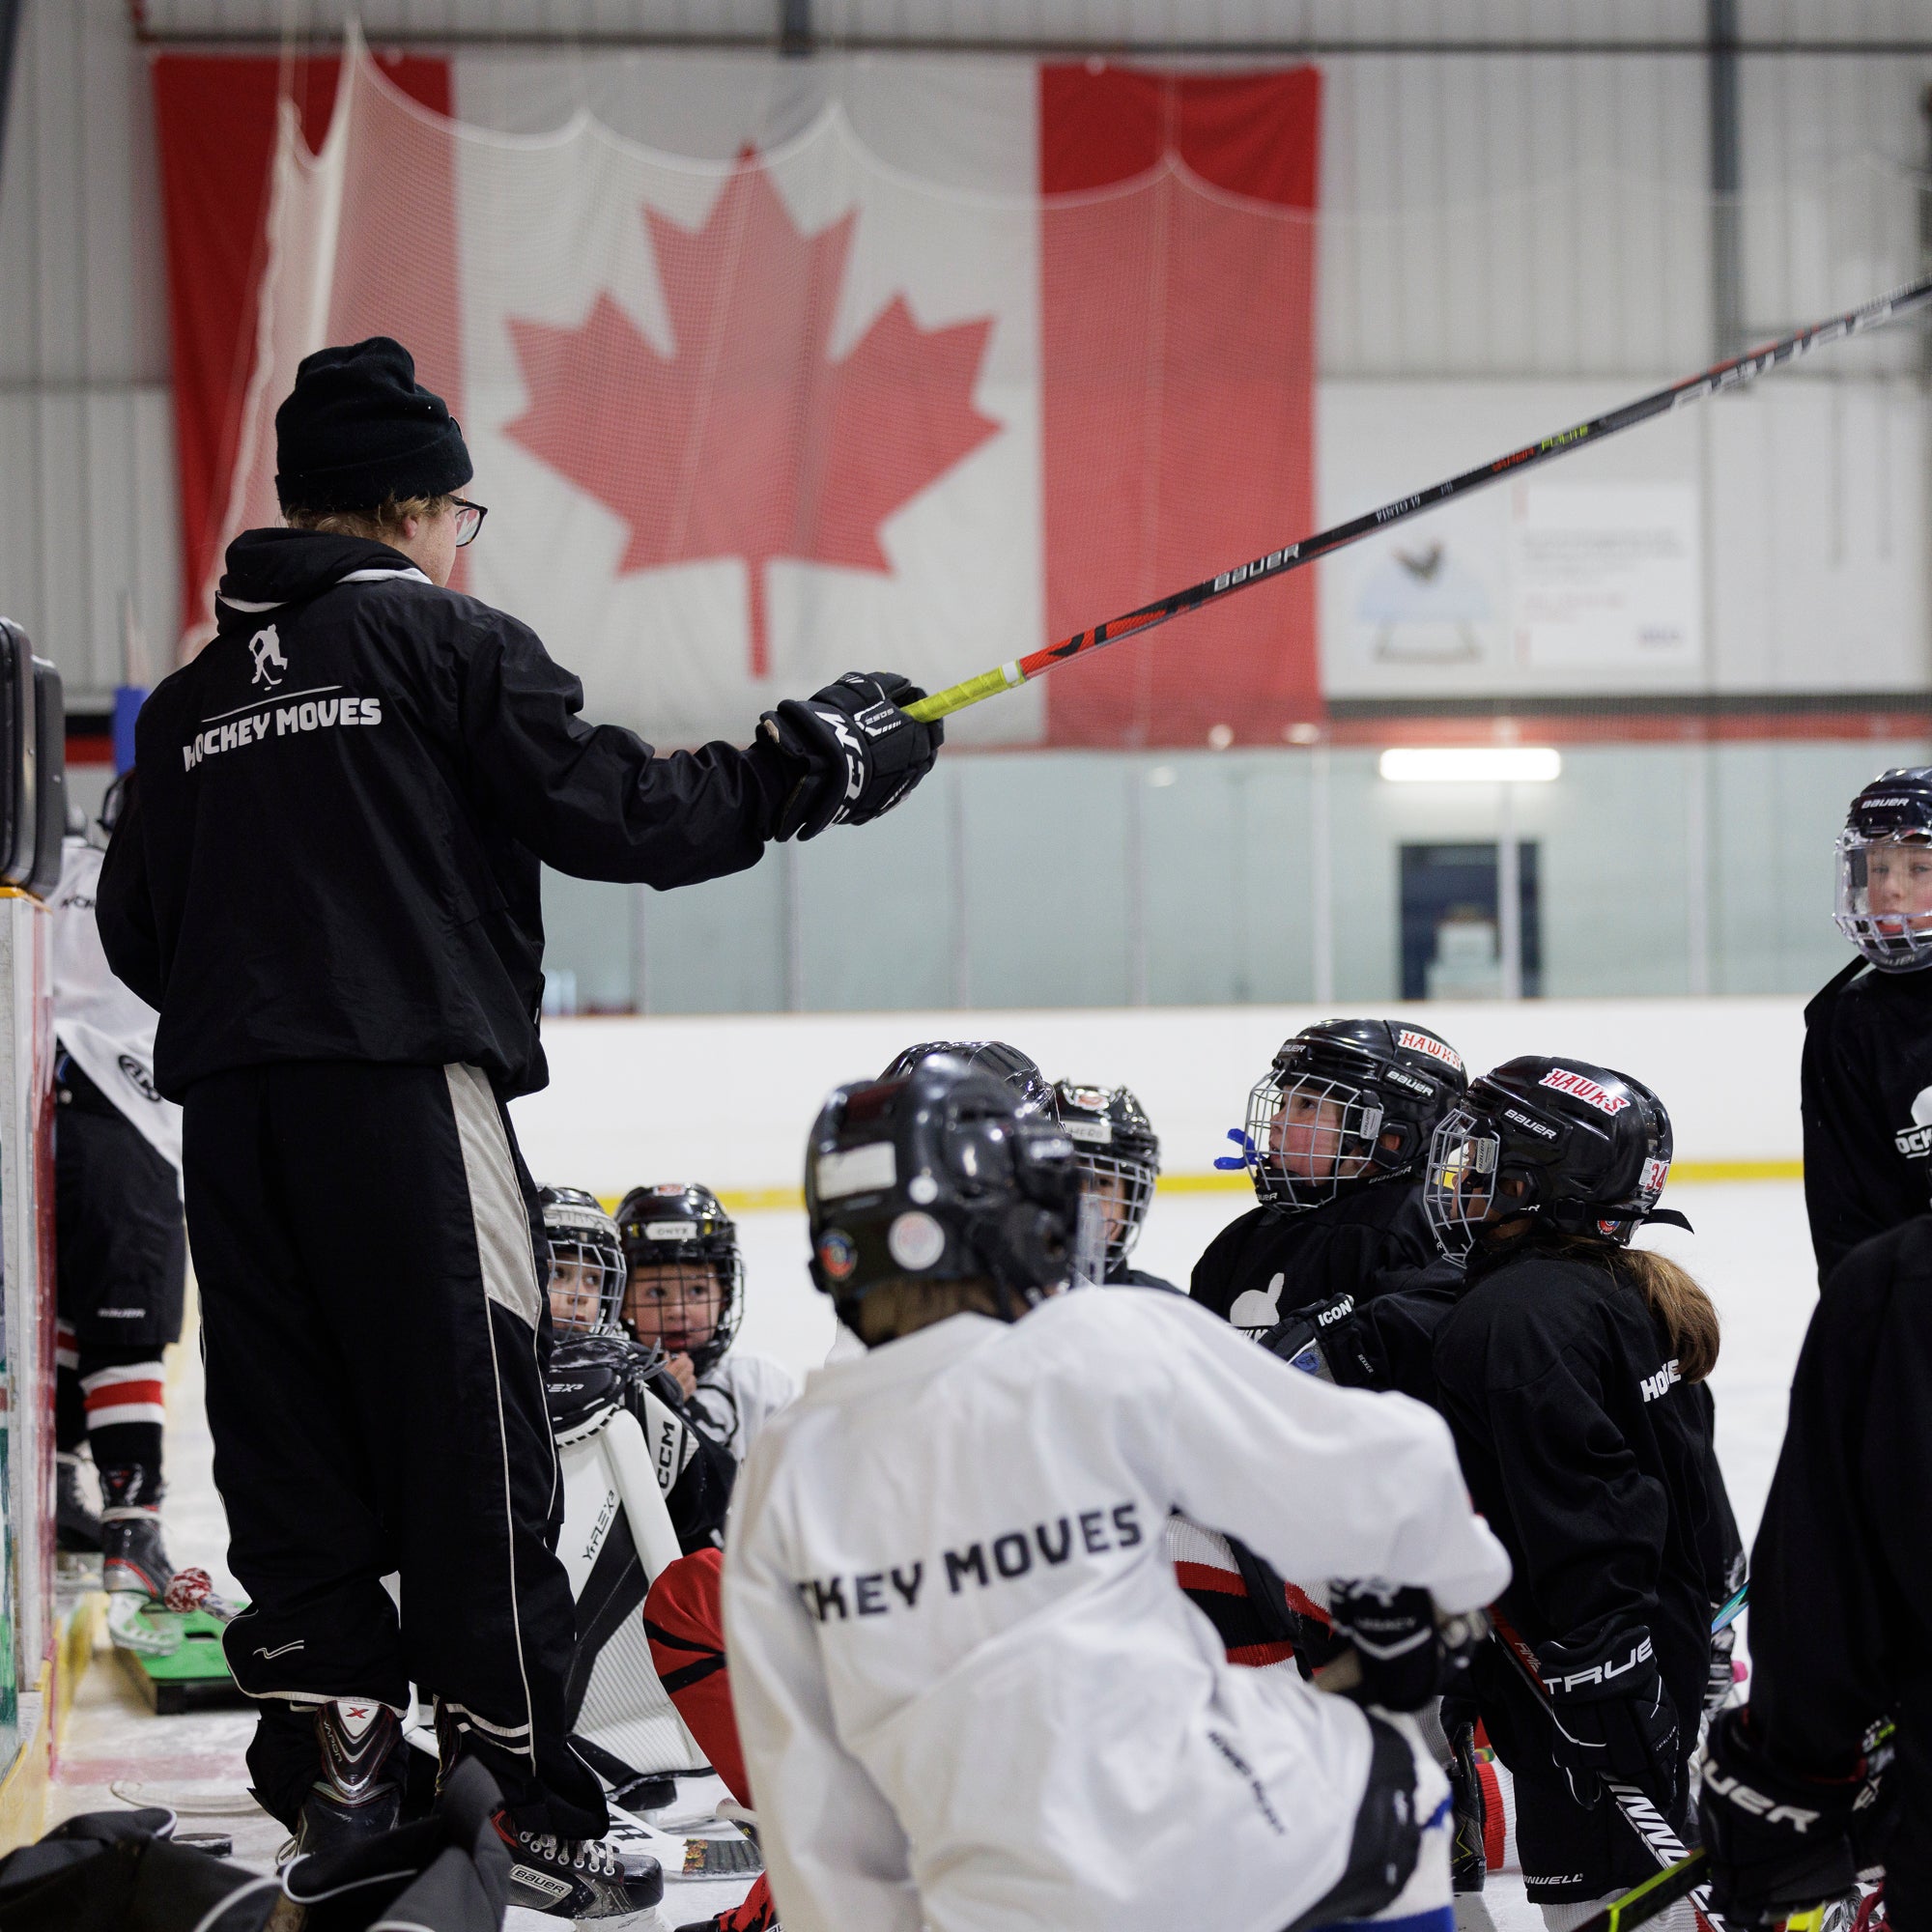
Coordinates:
<point>1643,1902</point>
<point>1729,375</point>
<point>1639,1812</point>
<point>1732,1607</point>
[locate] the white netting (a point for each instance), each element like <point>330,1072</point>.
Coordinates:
<point>743,428</point>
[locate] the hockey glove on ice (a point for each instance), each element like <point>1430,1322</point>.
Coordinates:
<point>1614,1717</point>
<point>1392,1627</point>
<point>1776,1843</point>
<point>853,752</point>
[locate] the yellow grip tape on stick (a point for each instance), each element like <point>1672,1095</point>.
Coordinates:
<point>958,696</point>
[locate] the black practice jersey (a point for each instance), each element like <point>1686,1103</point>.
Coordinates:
<point>1590,1459</point>
<point>1867,1102</point>
<point>330,850</point>
<point>1388,1342</point>
<point>1841,1573</point>
<point>1366,1242</point>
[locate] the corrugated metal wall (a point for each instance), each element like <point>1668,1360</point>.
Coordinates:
<point>1486,214</point>
<point>87,512</point>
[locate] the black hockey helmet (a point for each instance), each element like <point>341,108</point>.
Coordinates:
<point>1346,1103</point>
<point>586,1261</point>
<point>1885,854</point>
<point>940,1176</point>
<point>1584,1150</point>
<point>1019,1072</point>
<point>679,1225</point>
<point>1117,1147</point>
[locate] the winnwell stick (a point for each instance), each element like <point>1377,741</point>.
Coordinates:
<point>1729,375</point>
<point>1639,1812</point>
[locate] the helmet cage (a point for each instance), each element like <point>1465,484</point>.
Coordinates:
<point>587,1270</point>
<point>1337,1155</point>
<point>694,1265</point>
<point>1459,1190</point>
<point>682,1226</point>
<point>1120,1189</point>
<point>1893,942</point>
<point>1119,1155</point>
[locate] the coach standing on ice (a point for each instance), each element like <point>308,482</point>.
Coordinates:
<point>327,880</point>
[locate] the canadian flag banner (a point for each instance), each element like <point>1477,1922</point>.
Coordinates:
<point>744,424</point>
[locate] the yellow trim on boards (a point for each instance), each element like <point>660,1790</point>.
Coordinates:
<point>791,1199</point>
<point>23,1790</point>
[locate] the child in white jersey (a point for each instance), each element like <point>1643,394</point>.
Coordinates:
<point>969,1692</point>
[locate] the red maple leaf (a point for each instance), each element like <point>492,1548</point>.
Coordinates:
<point>746,440</point>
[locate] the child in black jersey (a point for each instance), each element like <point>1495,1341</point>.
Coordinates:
<point>1336,1133</point>
<point>1569,1370</point>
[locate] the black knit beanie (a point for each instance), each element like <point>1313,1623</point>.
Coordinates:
<point>357,428</point>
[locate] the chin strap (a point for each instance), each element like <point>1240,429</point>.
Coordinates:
<point>1670,1217</point>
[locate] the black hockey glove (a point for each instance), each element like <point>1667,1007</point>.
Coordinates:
<point>854,753</point>
<point>1776,1843</point>
<point>1301,1336</point>
<point>1392,1628</point>
<point>1614,1717</point>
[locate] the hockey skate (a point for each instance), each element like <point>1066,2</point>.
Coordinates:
<point>579,1878</point>
<point>353,1800</point>
<point>76,1527</point>
<point>755,1913</point>
<point>136,1574</point>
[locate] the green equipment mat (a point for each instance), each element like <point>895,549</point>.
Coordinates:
<point>192,1678</point>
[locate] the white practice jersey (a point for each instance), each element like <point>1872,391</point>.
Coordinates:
<point>107,1030</point>
<point>970,1693</point>
<point>736,1398</point>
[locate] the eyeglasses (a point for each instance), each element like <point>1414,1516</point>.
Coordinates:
<point>469,520</point>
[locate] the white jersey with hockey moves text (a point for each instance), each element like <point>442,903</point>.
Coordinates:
<point>970,1693</point>
<point>108,1031</point>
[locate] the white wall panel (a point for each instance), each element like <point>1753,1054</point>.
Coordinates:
<point>87,507</point>
<point>81,291</point>
<point>1830,150</point>
<point>87,512</point>
<point>559,19</point>
<point>1812,496</point>
<point>1512,214</point>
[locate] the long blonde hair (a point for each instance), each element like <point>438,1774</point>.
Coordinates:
<point>1671,1292</point>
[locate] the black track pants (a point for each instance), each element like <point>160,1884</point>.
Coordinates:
<point>363,1238</point>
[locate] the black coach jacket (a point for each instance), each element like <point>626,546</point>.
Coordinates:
<point>330,850</point>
